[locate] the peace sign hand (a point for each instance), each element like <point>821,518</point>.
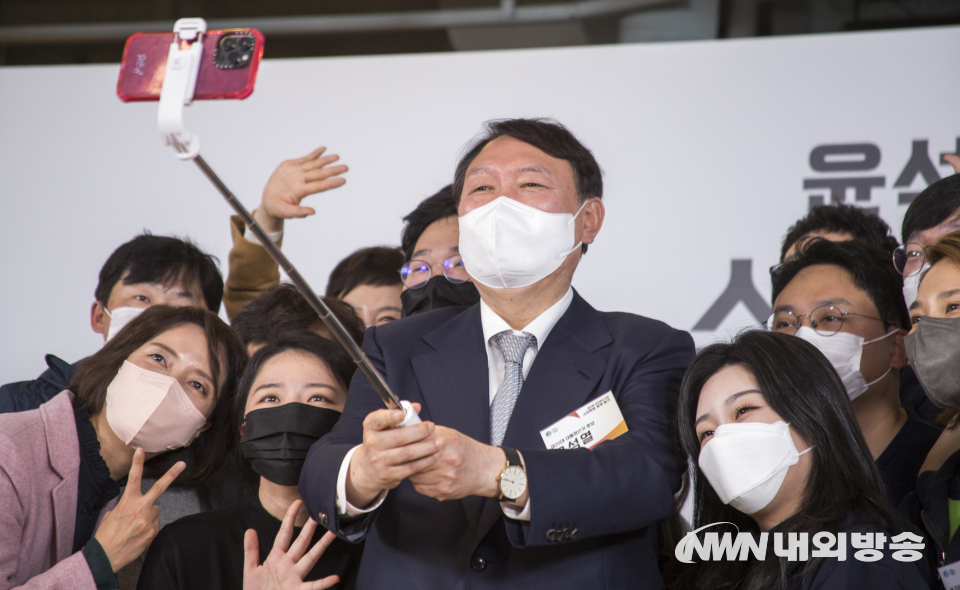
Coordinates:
<point>128,529</point>
<point>283,569</point>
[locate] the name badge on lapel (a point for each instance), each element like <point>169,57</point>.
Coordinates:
<point>950,575</point>
<point>587,426</point>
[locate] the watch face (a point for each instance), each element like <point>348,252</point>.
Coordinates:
<point>513,482</point>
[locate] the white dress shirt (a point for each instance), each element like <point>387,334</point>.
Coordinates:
<point>492,324</point>
<point>540,328</point>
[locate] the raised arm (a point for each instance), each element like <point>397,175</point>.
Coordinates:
<point>251,270</point>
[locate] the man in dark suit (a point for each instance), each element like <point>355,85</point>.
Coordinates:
<point>487,379</point>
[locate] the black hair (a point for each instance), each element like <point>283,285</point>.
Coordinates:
<point>227,359</point>
<point>165,261</point>
<point>932,206</point>
<point>870,267</point>
<point>377,266</point>
<point>862,225</point>
<point>803,389</point>
<point>434,208</point>
<point>333,356</point>
<point>282,308</point>
<point>336,359</point>
<point>550,137</point>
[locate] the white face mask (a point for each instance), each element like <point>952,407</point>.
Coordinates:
<point>120,317</point>
<point>506,244</point>
<point>746,463</point>
<point>151,411</point>
<point>911,285</point>
<point>844,351</point>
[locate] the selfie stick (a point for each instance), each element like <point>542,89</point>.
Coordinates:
<point>187,147</point>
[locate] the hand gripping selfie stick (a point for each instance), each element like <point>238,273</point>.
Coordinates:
<point>177,90</point>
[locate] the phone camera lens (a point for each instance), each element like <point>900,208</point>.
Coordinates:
<point>235,51</point>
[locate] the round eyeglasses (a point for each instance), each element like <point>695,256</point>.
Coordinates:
<point>826,320</point>
<point>416,273</point>
<point>908,259</point>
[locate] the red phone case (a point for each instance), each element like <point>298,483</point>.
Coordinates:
<point>145,61</point>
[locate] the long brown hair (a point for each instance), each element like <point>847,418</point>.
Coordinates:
<point>227,359</point>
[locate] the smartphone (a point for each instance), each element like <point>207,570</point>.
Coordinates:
<point>228,66</point>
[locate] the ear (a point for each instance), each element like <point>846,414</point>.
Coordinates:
<point>592,214</point>
<point>898,352</point>
<point>99,321</point>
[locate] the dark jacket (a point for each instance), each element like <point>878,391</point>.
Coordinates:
<point>205,551</point>
<point>593,512</point>
<point>928,508</point>
<point>29,395</point>
<point>887,574</point>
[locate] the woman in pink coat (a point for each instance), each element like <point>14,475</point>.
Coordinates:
<point>167,376</point>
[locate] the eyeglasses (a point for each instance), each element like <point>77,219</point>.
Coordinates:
<point>908,259</point>
<point>826,320</point>
<point>416,273</point>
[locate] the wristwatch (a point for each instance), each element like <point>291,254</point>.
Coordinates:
<point>513,479</point>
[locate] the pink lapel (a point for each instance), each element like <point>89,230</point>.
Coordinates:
<point>63,447</point>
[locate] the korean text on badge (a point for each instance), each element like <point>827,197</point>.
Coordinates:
<point>950,575</point>
<point>587,426</point>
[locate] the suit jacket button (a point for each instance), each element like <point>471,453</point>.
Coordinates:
<point>566,534</point>
<point>479,563</point>
<point>552,535</point>
<point>573,534</point>
<point>324,520</point>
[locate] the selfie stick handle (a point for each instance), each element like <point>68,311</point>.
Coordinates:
<point>331,321</point>
<point>179,84</point>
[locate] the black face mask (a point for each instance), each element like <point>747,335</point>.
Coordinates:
<point>276,440</point>
<point>437,293</point>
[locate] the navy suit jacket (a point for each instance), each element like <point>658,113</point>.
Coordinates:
<point>607,500</point>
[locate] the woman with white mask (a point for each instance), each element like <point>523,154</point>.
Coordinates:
<point>767,423</point>
<point>170,375</point>
<point>933,347</point>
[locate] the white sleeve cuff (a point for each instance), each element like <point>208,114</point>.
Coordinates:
<point>344,507</point>
<point>511,512</point>
<point>249,236</point>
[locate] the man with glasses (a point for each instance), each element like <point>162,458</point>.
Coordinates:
<point>433,273</point>
<point>844,298</point>
<point>933,214</point>
<point>429,240</point>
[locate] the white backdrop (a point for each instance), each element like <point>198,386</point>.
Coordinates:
<point>705,147</point>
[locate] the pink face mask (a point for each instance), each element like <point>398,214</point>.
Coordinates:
<point>151,411</point>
